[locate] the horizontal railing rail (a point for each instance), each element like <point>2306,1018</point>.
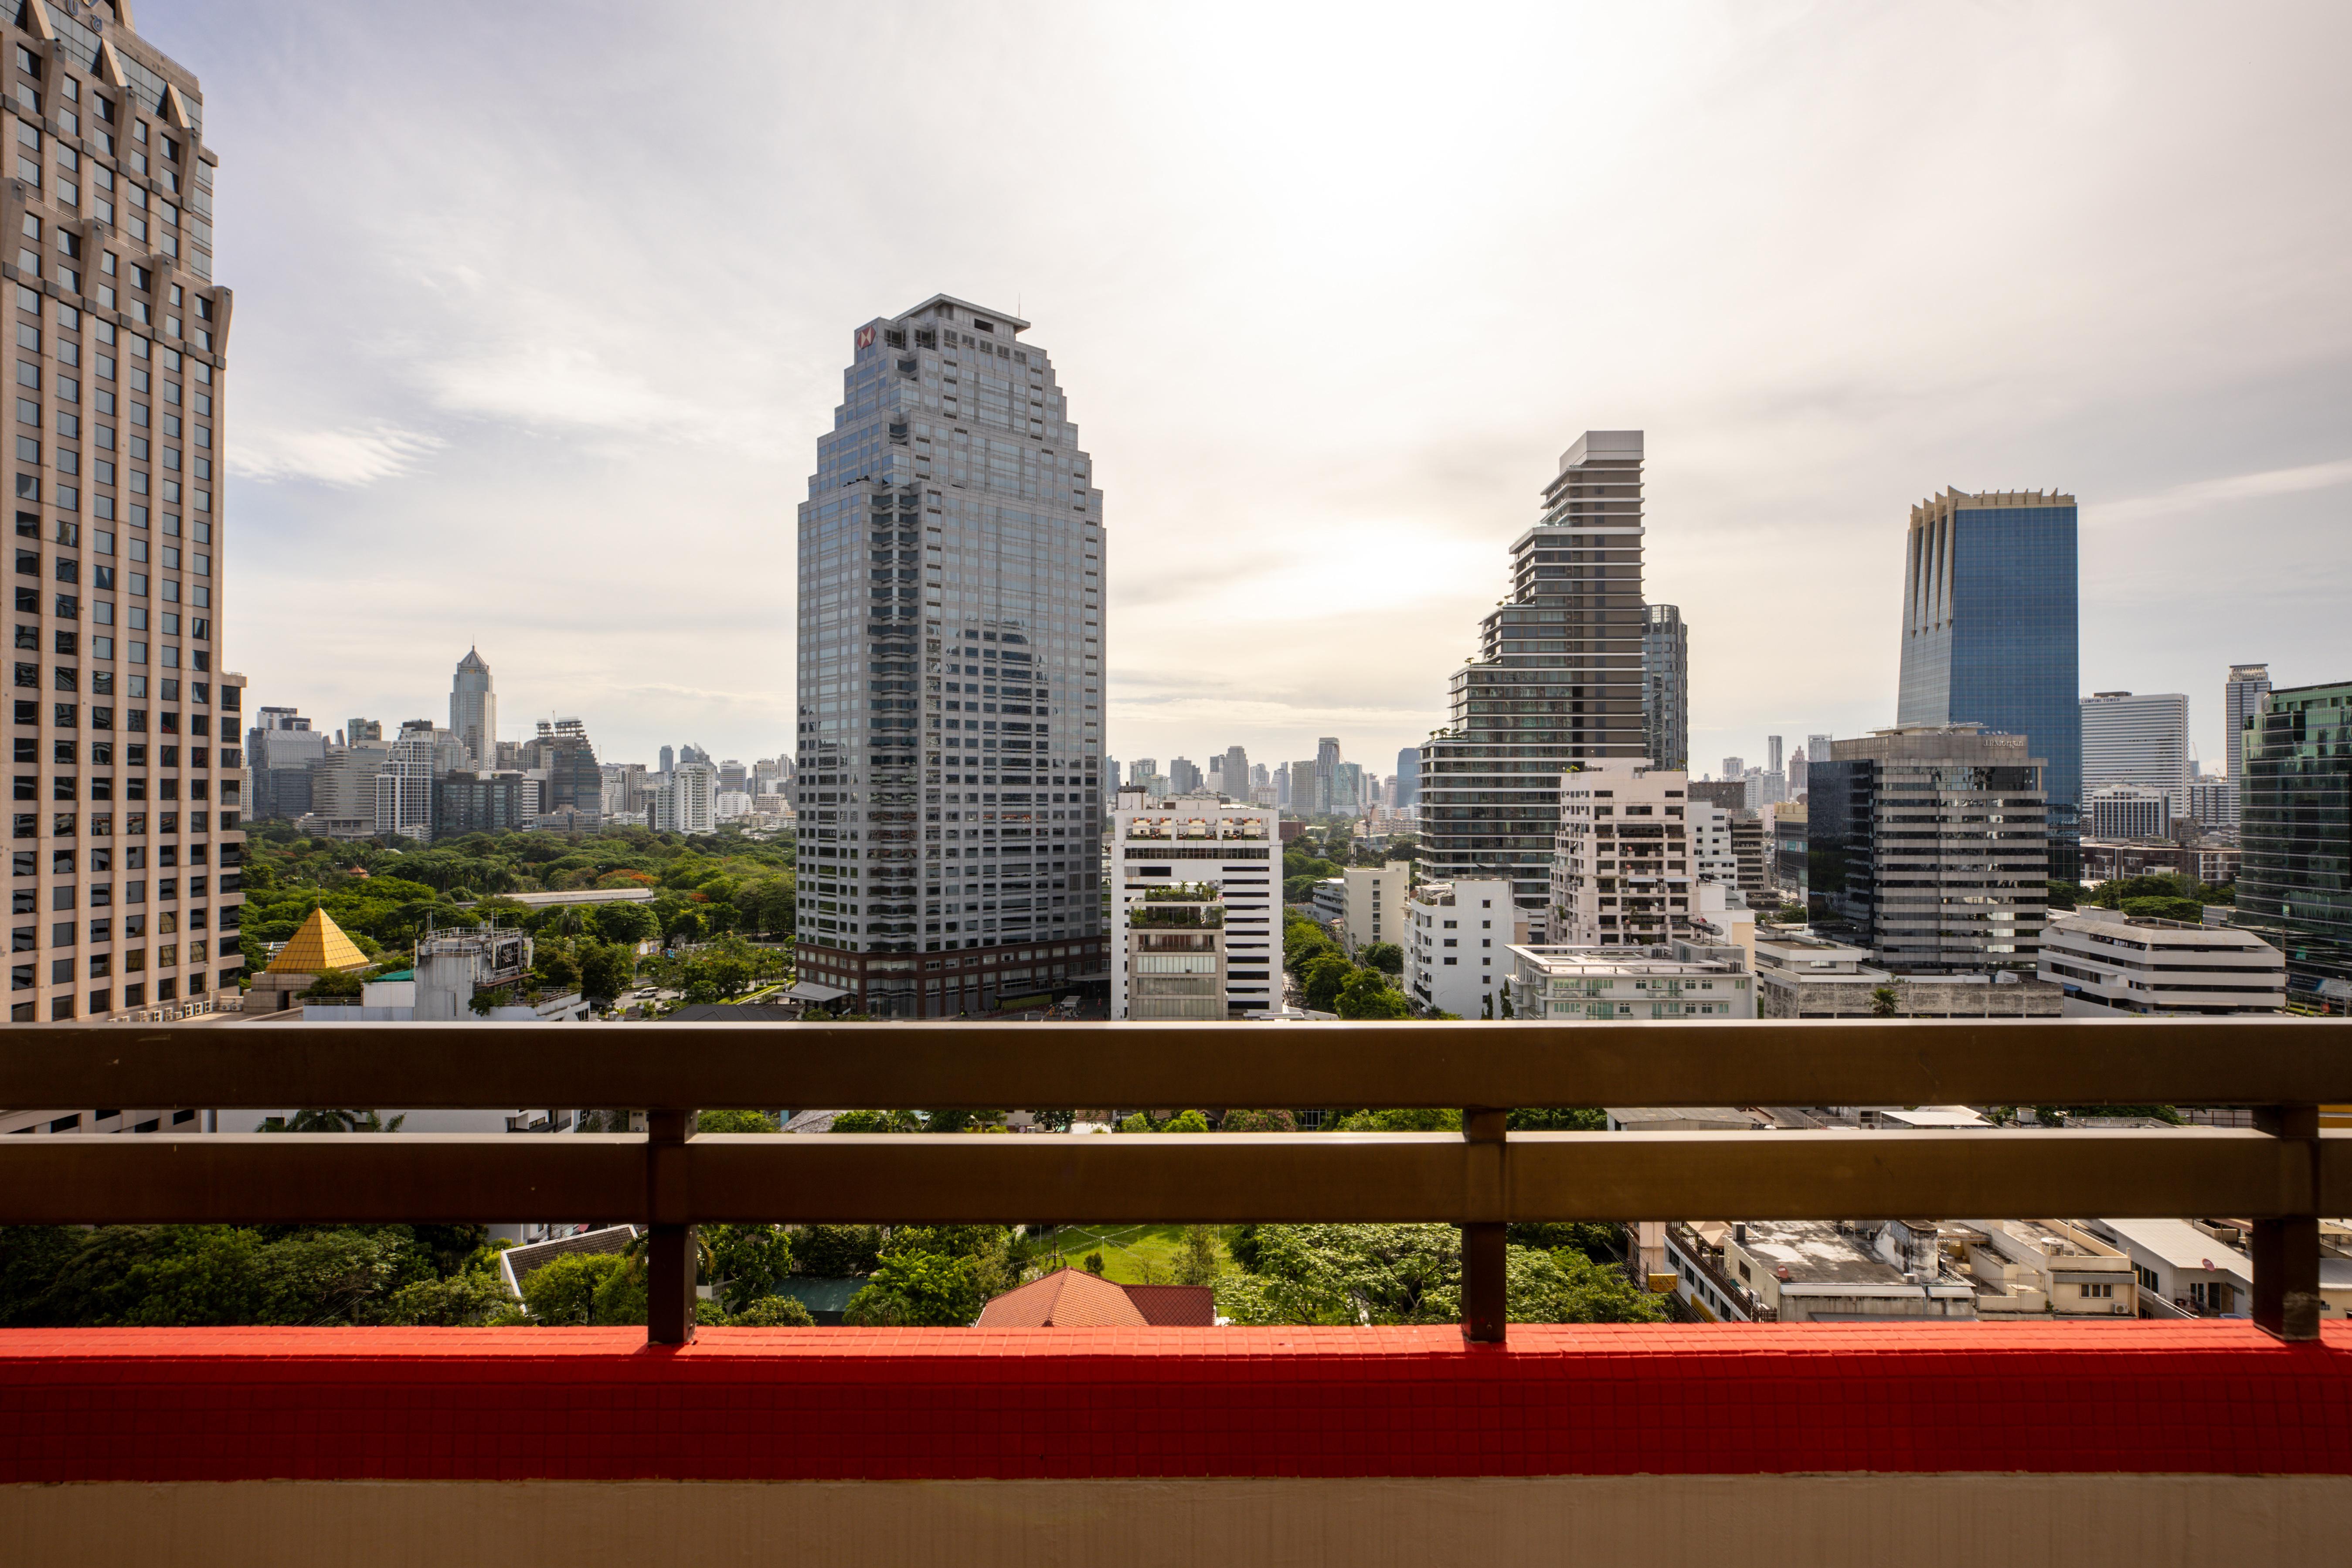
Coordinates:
<point>2280,1175</point>
<point>1663,1062</point>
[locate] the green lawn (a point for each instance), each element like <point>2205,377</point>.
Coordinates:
<point>1132,1254</point>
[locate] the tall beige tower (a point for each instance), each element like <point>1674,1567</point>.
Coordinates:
<point>122,725</point>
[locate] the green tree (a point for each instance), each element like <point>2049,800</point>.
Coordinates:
<point>773,1312</point>
<point>157,1275</point>
<point>1257,1121</point>
<point>733,1122</point>
<point>563,1290</point>
<point>957,1119</point>
<point>1196,1262</point>
<point>877,1121</point>
<point>463,1302</point>
<point>836,1252</point>
<point>31,1258</point>
<point>1322,979</point>
<point>604,971</point>
<point>1558,1118</point>
<point>1185,1121</point>
<point>336,985</point>
<point>917,1289</point>
<point>330,1276</point>
<point>2188,911</point>
<point>1385,956</point>
<point>1400,1119</point>
<point>1885,1002</point>
<point>331,1121</point>
<point>1564,1286</point>
<point>1368,995</point>
<point>746,1261</point>
<point>625,924</point>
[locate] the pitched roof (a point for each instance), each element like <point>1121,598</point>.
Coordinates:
<point>320,946</point>
<point>1073,1298</point>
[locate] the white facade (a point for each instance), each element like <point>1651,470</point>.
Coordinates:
<point>687,801</point>
<point>1457,947</point>
<point>1621,869</point>
<point>2130,811</point>
<point>1373,909</point>
<point>2112,962</point>
<point>1713,860</point>
<point>1196,839</point>
<point>404,789</point>
<point>2137,740</point>
<point>730,805</point>
<point>1680,980</point>
<point>2215,805</point>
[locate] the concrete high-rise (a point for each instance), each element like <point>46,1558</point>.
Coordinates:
<point>124,729</point>
<point>1666,686</point>
<point>2139,740</point>
<point>1773,750</point>
<point>1408,776</point>
<point>281,749</point>
<point>1990,635</point>
<point>950,643</point>
<point>2242,701</point>
<point>1932,844</point>
<point>1557,681</point>
<point>473,709</point>
<point>1237,774</point>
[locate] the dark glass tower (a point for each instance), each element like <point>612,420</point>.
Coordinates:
<point>1557,680</point>
<point>1991,635</point>
<point>2295,883</point>
<point>1666,687</point>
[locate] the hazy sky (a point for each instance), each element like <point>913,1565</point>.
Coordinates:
<point>541,308</point>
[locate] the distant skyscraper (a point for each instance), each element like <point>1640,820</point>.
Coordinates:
<point>360,730</point>
<point>574,782</point>
<point>2138,740</point>
<point>1237,774</point>
<point>1773,750</point>
<point>1183,775</point>
<point>1408,775</point>
<point>473,709</point>
<point>1282,783</point>
<point>1799,764</point>
<point>1666,687</point>
<point>1990,635</point>
<point>1142,770</point>
<point>950,641</point>
<point>1735,768</point>
<point>1558,679</point>
<point>668,759</point>
<point>280,750</point>
<point>2241,700</point>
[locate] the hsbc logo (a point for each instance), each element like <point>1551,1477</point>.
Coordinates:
<point>864,337</point>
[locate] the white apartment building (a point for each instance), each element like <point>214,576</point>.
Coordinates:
<point>2111,963</point>
<point>1713,860</point>
<point>1372,907</point>
<point>687,800</point>
<point>730,805</point>
<point>2130,811</point>
<point>2137,740</point>
<point>1677,980</point>
<point>1621,869</point>
<point>1202,840</point>
<point>1458,937</point>
<point>404,789</point>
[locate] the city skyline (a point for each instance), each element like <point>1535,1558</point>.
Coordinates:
<point>492,403</point>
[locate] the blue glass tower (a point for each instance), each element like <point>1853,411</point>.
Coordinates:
<point>1990,635</point>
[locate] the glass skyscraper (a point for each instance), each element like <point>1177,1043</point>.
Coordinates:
<point>1990,635</point>
<point>2294,881</point>
<point>951,710</point>
<point>1557,680</point>
<point>1666,687</point>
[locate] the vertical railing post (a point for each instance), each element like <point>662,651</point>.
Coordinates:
<point>670,1251</point>
<point>1486,1310</point>
<point>2286,1248</point>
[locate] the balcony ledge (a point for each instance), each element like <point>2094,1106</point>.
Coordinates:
<point>509,1405</point>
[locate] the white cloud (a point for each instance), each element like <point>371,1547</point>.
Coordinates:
<point>350,456</point>
<point>2205,495</point>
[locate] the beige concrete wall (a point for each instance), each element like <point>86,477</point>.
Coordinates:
<point>1821,1522</point>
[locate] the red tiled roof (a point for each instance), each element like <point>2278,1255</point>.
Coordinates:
<point>1175,1306</point>
<point>1066,1299</point>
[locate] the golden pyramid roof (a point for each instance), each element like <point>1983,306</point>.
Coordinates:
<point>320,946</point>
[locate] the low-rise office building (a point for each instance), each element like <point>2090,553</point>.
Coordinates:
<point>1168,958</point>
<point>1676,980</point>
<point>2047,1267</point>
<point>2205,860</point>
<point>1821,1271</point>
<point>2108,961</point>
<point>1458,937</point>
<point>1800,974</point>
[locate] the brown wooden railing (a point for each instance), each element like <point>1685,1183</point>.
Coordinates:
<point>2284,1174</point>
